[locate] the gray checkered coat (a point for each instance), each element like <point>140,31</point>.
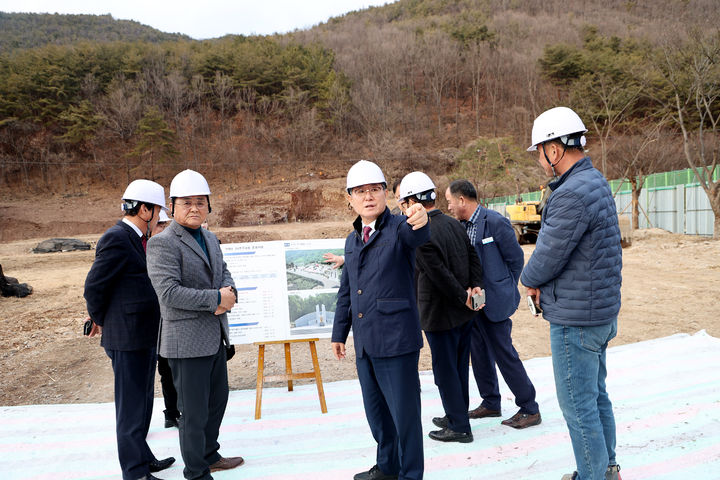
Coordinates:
<point>187,288</point>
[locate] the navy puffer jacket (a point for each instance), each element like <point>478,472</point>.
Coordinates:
<point>577,260</point>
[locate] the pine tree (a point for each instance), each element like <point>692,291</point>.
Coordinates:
<point>157,140</point>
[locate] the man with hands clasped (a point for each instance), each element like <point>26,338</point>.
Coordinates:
<point>195,290</point>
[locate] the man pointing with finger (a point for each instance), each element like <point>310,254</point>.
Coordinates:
<point>195,290</point>
<point>377,299</point>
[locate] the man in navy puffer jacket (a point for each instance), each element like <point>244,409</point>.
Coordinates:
<point>574,275</point>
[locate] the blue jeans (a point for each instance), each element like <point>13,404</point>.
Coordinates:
<point>578,356</point>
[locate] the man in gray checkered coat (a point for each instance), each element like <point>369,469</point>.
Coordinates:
<point>195,290</point>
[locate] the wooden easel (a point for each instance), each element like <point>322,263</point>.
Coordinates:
<point>289,375</point>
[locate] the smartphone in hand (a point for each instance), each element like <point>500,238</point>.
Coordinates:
<point>534,307</point>
<point>478,299</point>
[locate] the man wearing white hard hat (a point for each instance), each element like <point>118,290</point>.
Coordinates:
<point>195,290</point>
<point>448,275</point>
<point>377,299</point>
<point>491,345</point>
<point>574,275</point>
<point>124,308</point>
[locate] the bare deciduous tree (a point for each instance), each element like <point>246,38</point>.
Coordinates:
<point>176,96</point>
<point>606,102</point>
<point>222,88</point>
<point>122,111</point>
<point>691,71</point>
<point>439,58</point>
<point>638,155</point>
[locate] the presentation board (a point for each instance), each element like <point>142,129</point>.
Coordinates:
<point>285,289</point>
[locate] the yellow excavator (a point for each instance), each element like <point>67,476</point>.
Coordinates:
<point>525,217</point>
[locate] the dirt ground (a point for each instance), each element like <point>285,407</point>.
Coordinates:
<point>670,285</point>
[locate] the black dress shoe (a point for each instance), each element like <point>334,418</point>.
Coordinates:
<point>441,422</point>
<point>171,420</point>
<point>157,465</point>
<point>374,474</point>
<point>447,435</point>
<point>149,476</point>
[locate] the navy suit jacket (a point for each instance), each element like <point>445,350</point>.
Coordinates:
<point>502,261</point>
<point>118,292</point>
<point>377,289</point>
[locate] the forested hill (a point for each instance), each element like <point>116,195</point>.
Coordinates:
<point>449,87</point>
<point>28,30</point>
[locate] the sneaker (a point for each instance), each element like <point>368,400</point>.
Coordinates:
<point>613,473</point>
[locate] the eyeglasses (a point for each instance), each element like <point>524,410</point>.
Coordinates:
<point>188,204</point>
<point>374,191</point>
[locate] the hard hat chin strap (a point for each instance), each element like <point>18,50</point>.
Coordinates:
<point>147,222</point>
<point>147,230</point>
<point>552,165</point>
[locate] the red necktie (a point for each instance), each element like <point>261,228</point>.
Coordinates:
<point>366,234</point>
<point>144,242</point>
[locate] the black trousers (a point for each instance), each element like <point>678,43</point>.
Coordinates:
<point>134,391</point>
<point>168,388</point>
<point>450,357</point>
<point>202,387</point>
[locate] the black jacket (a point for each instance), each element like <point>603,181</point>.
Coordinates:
<point>118,292</point>
<point>447,266</point>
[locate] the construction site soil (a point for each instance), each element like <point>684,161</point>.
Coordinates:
<point>670,285</point>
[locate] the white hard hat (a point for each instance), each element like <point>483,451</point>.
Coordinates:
<point>188,183</point>
<point>145,191</point>
<point>364,173</point>
<point>416,183</point>
<point>164,217</point>
<point>556,123</point>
